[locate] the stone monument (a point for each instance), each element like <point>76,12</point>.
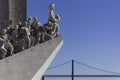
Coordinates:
<point>25,52</point>
<point>32,63</point>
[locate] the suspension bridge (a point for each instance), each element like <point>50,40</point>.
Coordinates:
<point>110,74</point>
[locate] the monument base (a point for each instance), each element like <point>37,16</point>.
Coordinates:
<point>31,63</point>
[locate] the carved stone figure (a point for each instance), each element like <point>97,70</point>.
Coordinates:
<point>47,31</point>
<point>15,39</point>
<point>20,25</point>
<point>37,33</point>
<point>53,18</point>
<point>26,30</point>
<point>55,30</point>
<point>50,29</point>
<point>3,33</point>
<point>15,34</point>
<point>35,30</point>
<point>8,47</point>
<point>34,23</point>
<point>29,20</point>
<point>3,51</point>
<point>25,33</point>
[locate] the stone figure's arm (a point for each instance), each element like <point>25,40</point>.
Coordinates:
<point>54,30</point>
<point>46,34</point>
<point>57,17</point>
<point>54,17</point>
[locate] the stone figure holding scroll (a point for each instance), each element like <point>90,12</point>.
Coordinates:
<point>53,18</point>
<point>50,29</point>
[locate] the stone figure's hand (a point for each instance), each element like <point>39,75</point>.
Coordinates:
<point>57,17</point>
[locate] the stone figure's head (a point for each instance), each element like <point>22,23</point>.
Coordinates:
<point>35,19</point>
<point>51,6</point>
<point>29,18</point>
<point>16,26</point>
<point>38,24</point>
<point>25,23</point>
<point>19,23</point>
<point>3,31</point>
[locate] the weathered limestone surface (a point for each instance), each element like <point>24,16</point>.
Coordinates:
<point>4,11</point>
<point>15,10</point>
<point>31,63</point>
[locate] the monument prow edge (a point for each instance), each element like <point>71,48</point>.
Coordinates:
<point>30,64</point>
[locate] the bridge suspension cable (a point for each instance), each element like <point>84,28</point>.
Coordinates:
<point>59,65</point>
<point>86,65</point>
<point>95,68</point>
<point>73,76</point>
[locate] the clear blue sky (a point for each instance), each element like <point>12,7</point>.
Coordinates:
<point>90,29</point>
